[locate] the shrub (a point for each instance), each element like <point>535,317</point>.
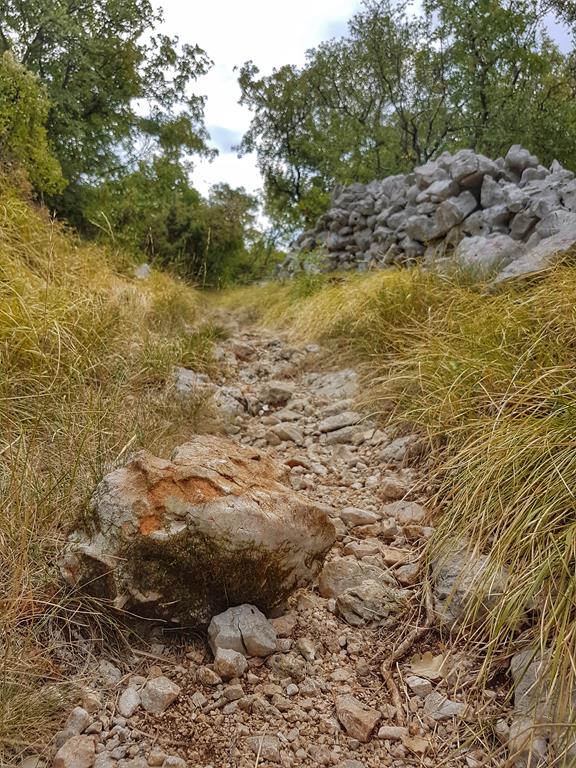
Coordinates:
<point>24,147</point>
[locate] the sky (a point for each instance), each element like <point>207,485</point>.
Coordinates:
<point>268,32</point>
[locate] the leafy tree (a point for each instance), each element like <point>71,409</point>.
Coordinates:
<point>117,87</point>
<point>400,88</point>
<point>155,212</point>
<point>506,77</point>
<point>24,147</point>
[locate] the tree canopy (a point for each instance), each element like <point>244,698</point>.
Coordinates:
<point>401,87</point>
<point>98,108</point>
<point>117,86</point>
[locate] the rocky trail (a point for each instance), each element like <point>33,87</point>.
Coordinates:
<point>353,671</point>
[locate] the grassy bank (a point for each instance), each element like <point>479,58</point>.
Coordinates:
<point>86,355</point>
<point>490,380</point>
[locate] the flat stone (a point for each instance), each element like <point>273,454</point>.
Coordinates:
<point>395,556</point>
<point>158,694</point>
<point>266,746</point>
<point>344,436</point>
<point>173,761</point>
<point>109,673</point>
<point>336,385</point>
<point>408,575</point>
<point>284,626</point>
<point>393,732</point>
<point>156,757</point>
<point>207,676</point>
<point>361,549</point>
<point>77,752</point>
<point>354,516</point>
<point>134,762</point>
<point>339,421</point>
<point>391,488</point>
<point>405,512</point>
<point>244,629</point>
<point>198,699</point>
<point>104,760</point>
<point>453,211</point>
<point>441,708</point>
<point>371,602</point>
<point>288,433</point>
<point>229,663</point>
<point>306,648</point>
<point>233,692</point>
<point>398,450</point>
<point>359,720</point>
<point>343,573</point>
<point>129,702</point>
<point>285,665</point>
<point>187,382</point>
<point>419,685</point>
<point>277,393</point>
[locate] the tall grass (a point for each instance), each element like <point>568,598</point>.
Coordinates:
<point>86,356</point>
<point>490,379</point>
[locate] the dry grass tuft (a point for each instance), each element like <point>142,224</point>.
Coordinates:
<point>86,355</point>
<point>491,380</point>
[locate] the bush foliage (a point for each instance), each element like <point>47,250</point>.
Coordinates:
<point>24,147</point>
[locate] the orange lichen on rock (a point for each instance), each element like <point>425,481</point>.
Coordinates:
<point>149,524</point>
<point>177,539</point>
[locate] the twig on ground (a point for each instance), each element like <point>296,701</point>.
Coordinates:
<point>399,652</point>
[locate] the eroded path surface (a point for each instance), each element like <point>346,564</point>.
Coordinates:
<point>321,700</point>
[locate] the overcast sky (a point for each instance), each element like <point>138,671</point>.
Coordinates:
<point>268,32</point>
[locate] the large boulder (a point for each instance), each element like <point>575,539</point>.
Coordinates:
<point>454,210</point>
<point>484,254</point>
<point>519,159</point>
<point>464,582</point>
<point>183,540</point>
<point>545,254</point>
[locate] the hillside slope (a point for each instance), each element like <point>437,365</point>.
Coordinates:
<point>86,356</point>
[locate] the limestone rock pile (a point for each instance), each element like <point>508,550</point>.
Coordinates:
<point>480,213</point>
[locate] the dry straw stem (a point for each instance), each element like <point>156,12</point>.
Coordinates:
<point>86,357</point>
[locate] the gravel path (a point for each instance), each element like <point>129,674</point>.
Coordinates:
<point>335,694</point>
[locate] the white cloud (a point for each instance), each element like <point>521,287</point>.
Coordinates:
<point>268,32</point>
